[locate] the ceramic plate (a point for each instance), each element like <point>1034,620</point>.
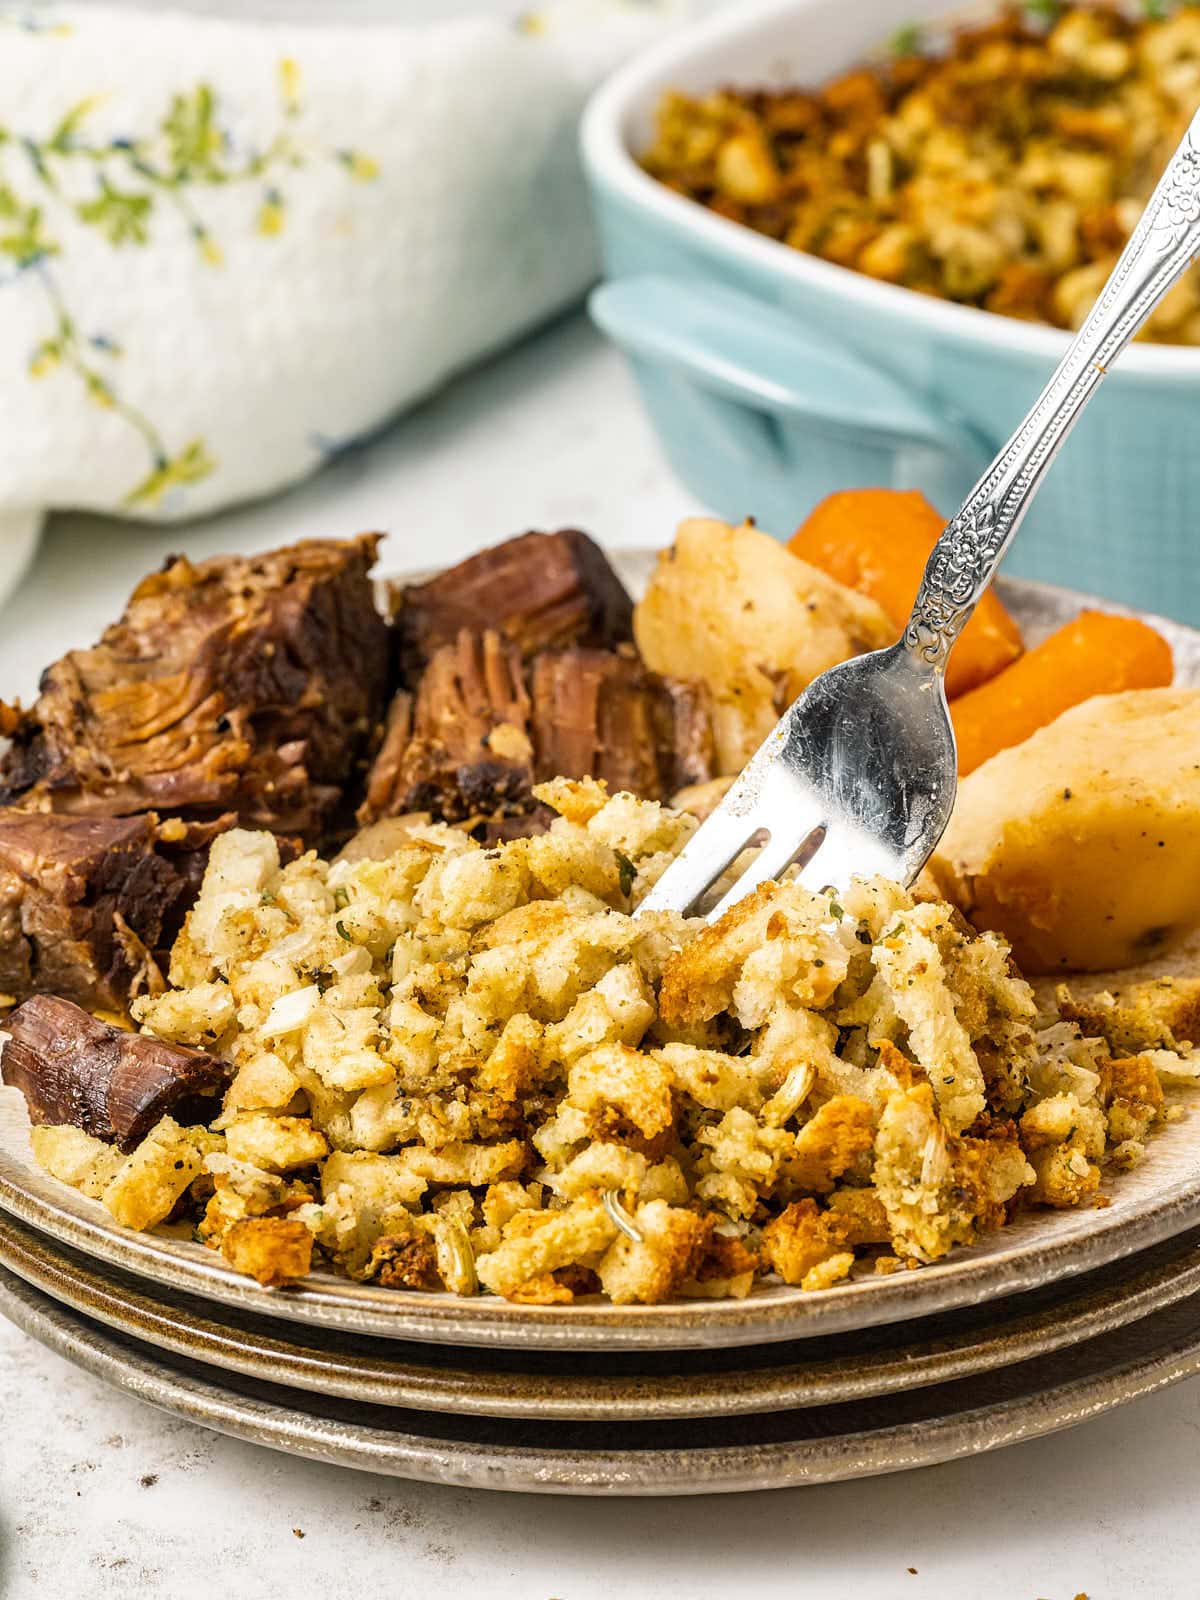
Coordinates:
<point>1158,1199</point>
<point>638,1388</point>
<point>786,1448</point>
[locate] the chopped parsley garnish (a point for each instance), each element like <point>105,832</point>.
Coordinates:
<point>627,871</point>
<point>341,928</point>
<point>907,41</point>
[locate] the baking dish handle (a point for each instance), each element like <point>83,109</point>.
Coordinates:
<point>760,357</point>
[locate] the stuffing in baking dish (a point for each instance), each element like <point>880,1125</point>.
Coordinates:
<point>1003,170</point>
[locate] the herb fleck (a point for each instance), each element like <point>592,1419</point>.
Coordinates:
<point>907,41</point>
<point>627,870</point>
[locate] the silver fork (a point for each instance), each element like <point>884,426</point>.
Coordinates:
<point>859,775</point>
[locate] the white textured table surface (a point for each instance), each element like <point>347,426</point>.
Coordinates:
<point>100,1496</point>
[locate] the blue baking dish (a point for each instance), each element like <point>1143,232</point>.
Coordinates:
<point>774,378</point>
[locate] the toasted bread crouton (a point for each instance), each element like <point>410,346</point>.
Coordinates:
<point>1133,1097</point>
<point>475,1164</point>
<point>910,959</point>
<point>536,1242</point>
<point>272,1250</point>
<point>145,1187</point>
<point>800,1238</point>
<point>669,1251</point>
<point>623,1093</point>
<point>861,1215</point>
<point>836,1139</point>
<point>75,1157</point>
<point>1062,1139</point>
<point>544,1290</point>
<point>940,1190</point>
<point>1158,1014</point>
<point>701,980</point>
<point>276,1143</point>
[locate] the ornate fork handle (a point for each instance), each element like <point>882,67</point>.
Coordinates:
<point>966,556</point>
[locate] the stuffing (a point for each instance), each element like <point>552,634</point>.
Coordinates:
<point>1160,1013</point>
<point>463,1068</point>
<point>651,1268</point>
<point>272,1250</point>
<point>997,161</point>
<point>75,1157</point>
<point>537,1242</point>
<point>148,1183</point>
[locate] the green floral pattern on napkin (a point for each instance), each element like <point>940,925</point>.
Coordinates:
<point>123,188</point>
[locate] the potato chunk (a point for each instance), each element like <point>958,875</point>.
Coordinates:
<point>732,608</point>
<point>1082,845</point>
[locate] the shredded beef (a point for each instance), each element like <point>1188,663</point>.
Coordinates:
<point>482,728</point>
<point>85,904</point>
<point>241,684</point>
<point>115,1085</point>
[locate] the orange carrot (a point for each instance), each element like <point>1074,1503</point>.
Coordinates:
<point>877,541</point>
<point>1095,654</point>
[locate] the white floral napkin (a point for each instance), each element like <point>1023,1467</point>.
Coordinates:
<point>228,249</point>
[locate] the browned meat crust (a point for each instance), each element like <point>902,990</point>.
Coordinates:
<point>73,1068</point>
<point>85,902</point>
<point>539,591</point>
<point>243,684</point>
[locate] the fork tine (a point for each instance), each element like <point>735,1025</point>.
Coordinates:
<point>845,853</point>
<point>702,860</point>
<point>777,854</point>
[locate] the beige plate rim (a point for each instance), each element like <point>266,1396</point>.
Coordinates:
<point>396,1375</point>
<point>773,1452</point>
<point>1160,1198</point>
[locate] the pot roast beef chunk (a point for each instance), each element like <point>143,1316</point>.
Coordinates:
<point>87,902</point>
<point>601,714</point>
<point>473,740</point>
<point>459,747</point>
<point>539,591</point>
<point>73,1068</point>
<point>243,684</point>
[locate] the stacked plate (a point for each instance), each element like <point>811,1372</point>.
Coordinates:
<point>1052,1321</point>
<point>1056,1322</point>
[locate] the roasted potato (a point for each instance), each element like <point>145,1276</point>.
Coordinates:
<point>1082,845</point>
<point>732,608</point>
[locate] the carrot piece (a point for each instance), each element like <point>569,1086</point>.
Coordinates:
<point>877,541</point>
<point>1095,654</point>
